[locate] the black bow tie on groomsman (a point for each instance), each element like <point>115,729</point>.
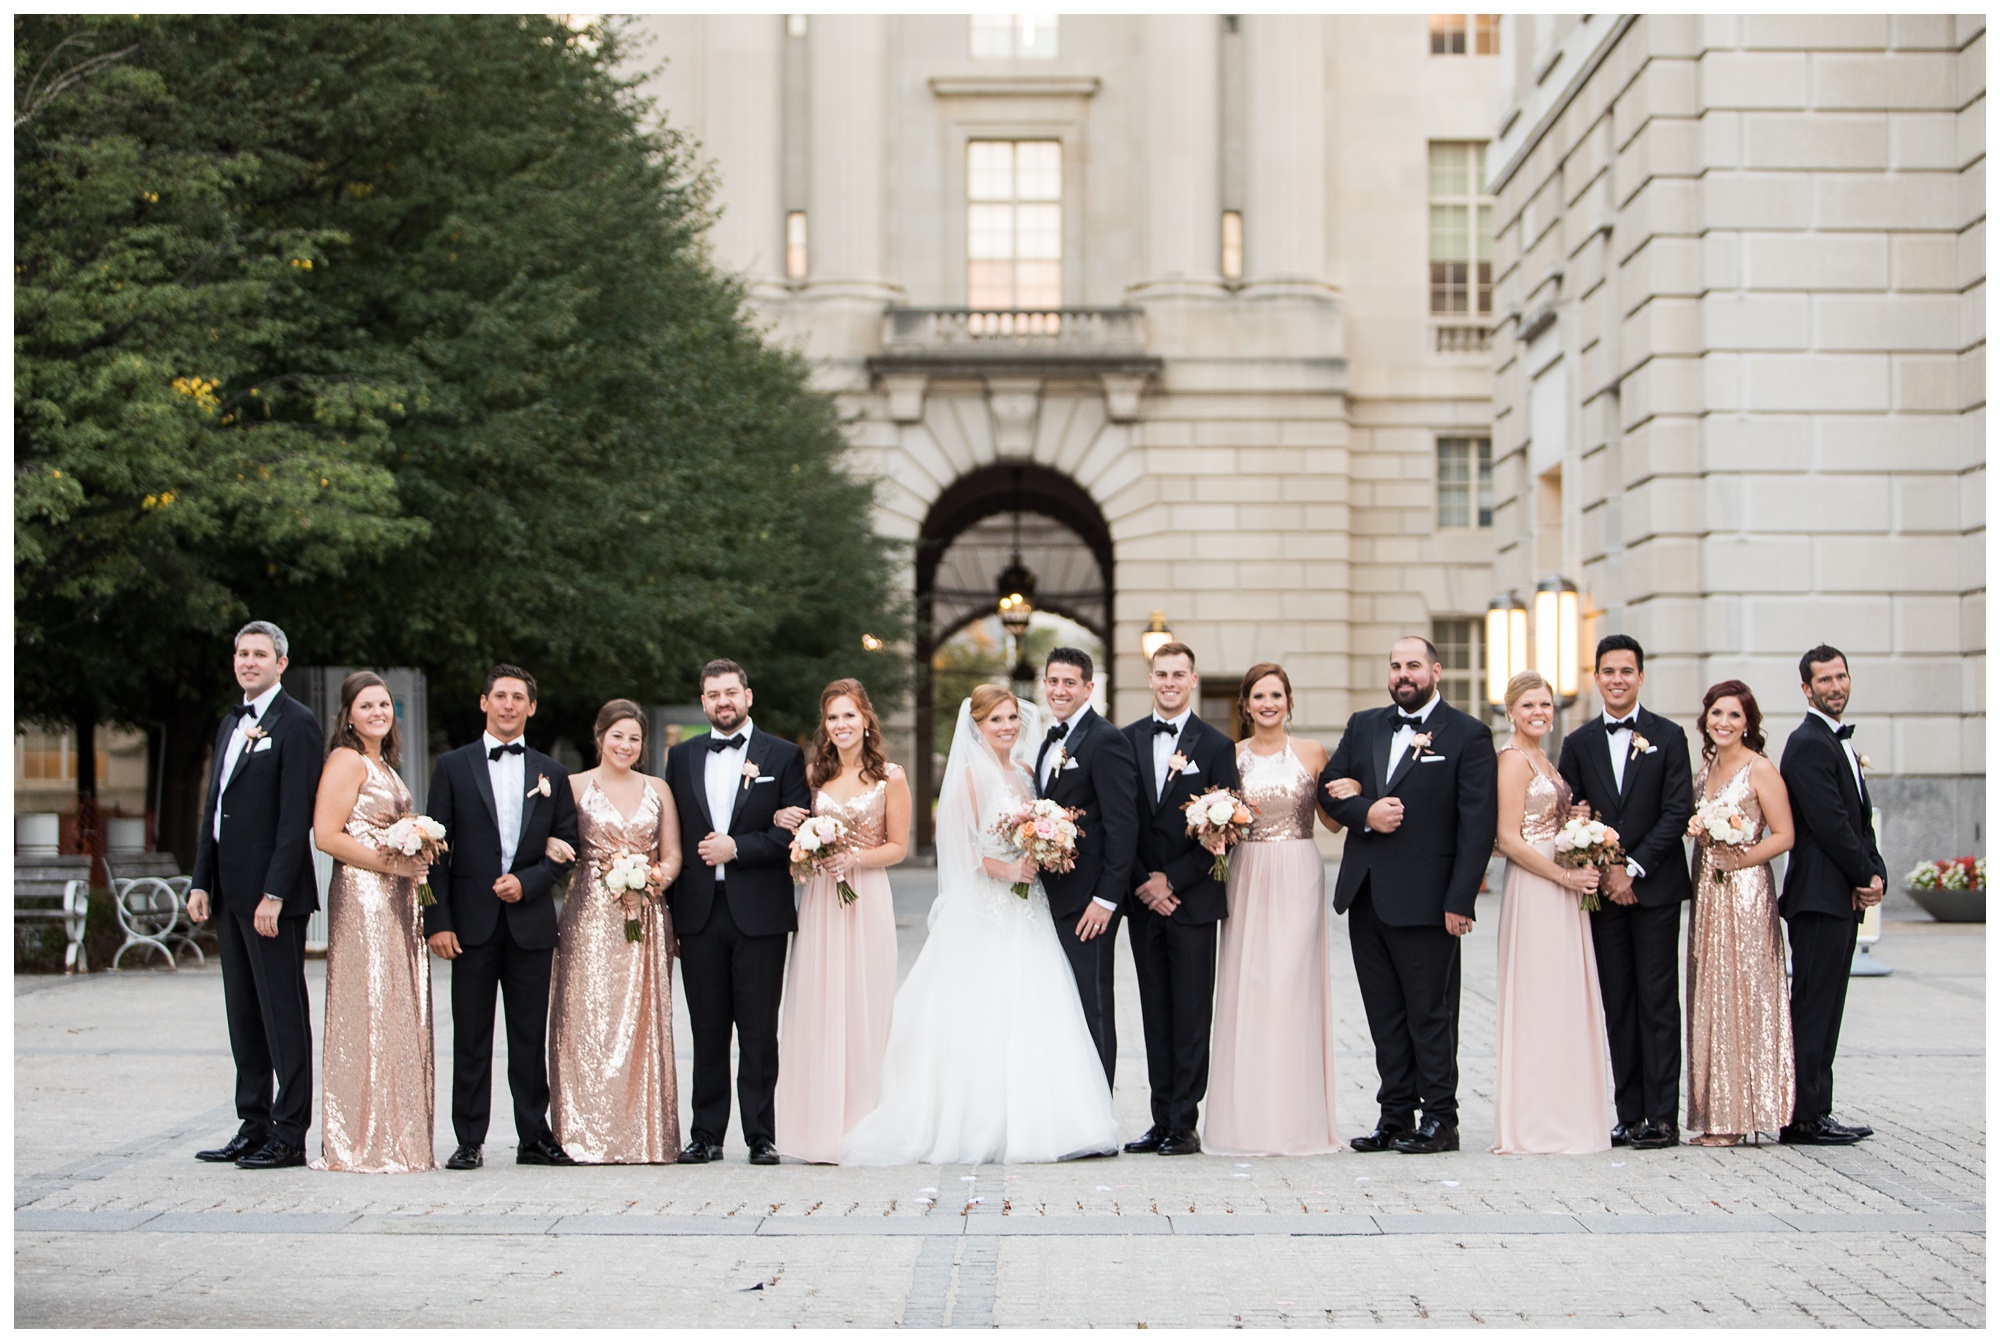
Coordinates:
<point>243,711</point>
<point>1844,731</point>
<point>1058,731</point>
<point>1414,722</point>
<point>1624,724</point>
<point>1160,726</point>
<point>717,745</point>
<point>511,748</point>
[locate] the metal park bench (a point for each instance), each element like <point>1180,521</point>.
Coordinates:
<point>50,888</point>
<point>149,896</point>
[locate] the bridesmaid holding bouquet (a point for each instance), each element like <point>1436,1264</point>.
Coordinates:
<point>841,979</point>
<point>377,1095</point>
<point>613,1099</point>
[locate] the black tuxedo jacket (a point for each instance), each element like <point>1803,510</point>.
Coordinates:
<point>1433,862</point>
<point>1164,843</point>
<point>1834,850</point>
<point>1100,777</point>
<point>760,880</point>
<point>461,798</point>
<point>267,806</point>
<point>1650,813</point>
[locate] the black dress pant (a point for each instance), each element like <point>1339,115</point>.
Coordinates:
<point>1638,971</point>
<point>733,980</point>
<point>1094,963</point>
<point>1176,967</point>
<point>1822,957</point>
<point>270,1026</point>
<point>1409,989</point>
<point>519,976</point>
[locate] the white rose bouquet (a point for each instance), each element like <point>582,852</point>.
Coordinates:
<point>1045,833</point>
<point>629,873</point>
<point>417,836</point>
<point>1218,818</point>
<point>1582,843</point>
<point>1719,822</point>
<point>815,844</point>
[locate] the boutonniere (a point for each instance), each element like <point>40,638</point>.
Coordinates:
<point>749,773</point>
<point>541,788</point>
<point>1177,764</point>
<point>1865,762</point>
<point>1420,745</point>
<point>1640,746</point>
<point>254,734</point>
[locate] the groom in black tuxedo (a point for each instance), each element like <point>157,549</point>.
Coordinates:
<point>499,801</point>
<point>1835,874</point>
<point>1631,766</point>
<point>1418,838</point>
<point>732,908</point>
<point>1086,763</point>
<point>1176,907</point>
<point>254,858</point>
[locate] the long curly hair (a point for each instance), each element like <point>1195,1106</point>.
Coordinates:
<point>823,760</point>
<point>346,734</point>
<point>1250,680</point>
<point>1753,717</point>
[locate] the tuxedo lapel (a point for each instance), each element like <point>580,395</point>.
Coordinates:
<point>475,759</point>
<point>1632,760</point>
<point>695,768</point>
<point>1595,748</point>
<point>752,749</point>
<point>271,712</point>
<point>1856,792</point>
<point>1155,792</point>
<point>536,764</point>
<point>1409,760</point>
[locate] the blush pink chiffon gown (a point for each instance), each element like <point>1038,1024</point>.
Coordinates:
<point>1553,1093</point>
<point>839,986</point>
<point>1270,1088</point>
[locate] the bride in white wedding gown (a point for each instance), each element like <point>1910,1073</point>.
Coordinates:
<point>989,1056</point>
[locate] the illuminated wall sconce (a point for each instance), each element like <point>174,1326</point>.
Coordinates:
<point>1155,636</point>
<point>1558,654</point>
<point>1506,645</point>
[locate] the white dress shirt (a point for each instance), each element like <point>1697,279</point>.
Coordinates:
<point>509,777</point>
<point>1164,746</point>
<point>1400,742</point>
<point>1846,745</point>
<point>1620,739</point>
<point>239,742</point>
<point>722,775</point>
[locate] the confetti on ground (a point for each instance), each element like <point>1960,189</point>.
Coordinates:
<point>1449,1184</point>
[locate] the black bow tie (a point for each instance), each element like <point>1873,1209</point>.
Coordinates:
<point>1624,724</point>
<point>511,748</point>
<point>243,711</point>
<point>1159,727</point>
<point>717,745</point>
<point>1844,731</point>
<point>1058,731</point>
<point>1414,722</point>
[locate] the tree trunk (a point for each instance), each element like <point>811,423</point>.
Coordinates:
<point>187,733</point>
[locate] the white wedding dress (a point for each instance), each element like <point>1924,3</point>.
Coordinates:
<point>989,1057</point>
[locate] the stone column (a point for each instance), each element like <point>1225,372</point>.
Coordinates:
<point>742,131</point>
<point>847,211</point>
<point>1285,205</point>
<point>1183,169</point>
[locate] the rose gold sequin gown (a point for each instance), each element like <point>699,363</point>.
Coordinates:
<point>612,1096</point>
<point>1270,1080</point>
<point>1553,1092</point>
<point>377,1092</point>
<point>839,986</point>
<point>1739,1025</point>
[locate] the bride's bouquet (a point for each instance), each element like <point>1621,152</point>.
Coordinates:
<point>1044,832</point>
<point>817,842</point>
<point>417,836</point>
<point>1582,843</point>
<point>1221,815</point>
<point>629,871</point>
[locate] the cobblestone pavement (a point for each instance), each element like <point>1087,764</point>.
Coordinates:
<point>119,1078</point>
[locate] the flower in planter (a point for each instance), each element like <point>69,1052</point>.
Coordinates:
<point>1948,874</point>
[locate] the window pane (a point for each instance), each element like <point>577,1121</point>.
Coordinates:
<point>990,284</point>
<point>1448,168</point>
<point>1486,482</point>
<point>992,36</point>
<point>1038,284</point>
<point>1486,286</point>
<point>1038,170</point>
<point>1448,233</point>
<point>1483,238</point>
<point>989,170</point>
<point>1038,233</point>
<point>1035,36</point>
<point>1447,34</point>
<point>1486,32</point>
<point>1453,483</point>
<point>990,232</point>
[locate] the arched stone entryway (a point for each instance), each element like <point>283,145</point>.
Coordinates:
<point>968,536</point>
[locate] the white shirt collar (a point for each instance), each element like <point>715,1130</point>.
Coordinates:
<point>1824,717</point>
<point>742,729</point>
<point>1179,720</point>
<point>1423,713</point>
<point>1075,720</point>
<point>1605,718</point>
<point>492,741</point>
<point>262,703</point>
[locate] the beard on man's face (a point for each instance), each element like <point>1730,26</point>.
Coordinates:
<point>725,717</point>
<point>1409,695</point>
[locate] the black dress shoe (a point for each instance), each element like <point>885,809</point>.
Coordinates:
<point>1381,1139</point>
<point>1820,1132</point>
<point>1433,1135</point>
<point>1180,1144</point>
<point>1651,1137</point>
<point>1859,1131</point>
<point>272,1155</point>
<point>240,1146</point>
<point>542,1152</point>
<point>467,1157</point>
<point>699,1153</point>
<point>1149,1141</point>
<point>1621,1136</point>
<point>763,1152</point>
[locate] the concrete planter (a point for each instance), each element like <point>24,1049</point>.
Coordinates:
<point>38,833</point>
<point>1951,906</point>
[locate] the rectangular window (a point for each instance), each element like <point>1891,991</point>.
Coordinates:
<point>795,245</point>
<point>1013,222</point>
<point>1463,653</point>
<point>1461,231</point>
<point>1000,37</point>
<point>1465,482</point>
<point>1447,34</point>
<point>1232,244</point>
<point>1486,34</point>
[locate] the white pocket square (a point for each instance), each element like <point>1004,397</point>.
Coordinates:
<point>1430,760</point>
<point>1071,763</point>
<point>263,745</point>
<point>763,778</point>
<point>1192,768</point>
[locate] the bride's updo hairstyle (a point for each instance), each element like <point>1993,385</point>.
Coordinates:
<point>611,715</point>
<point>987,698</point>
<point>823,760</point>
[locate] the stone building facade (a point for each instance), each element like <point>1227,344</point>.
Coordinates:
<point>1740,366</point>
<point>1165,281</point>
